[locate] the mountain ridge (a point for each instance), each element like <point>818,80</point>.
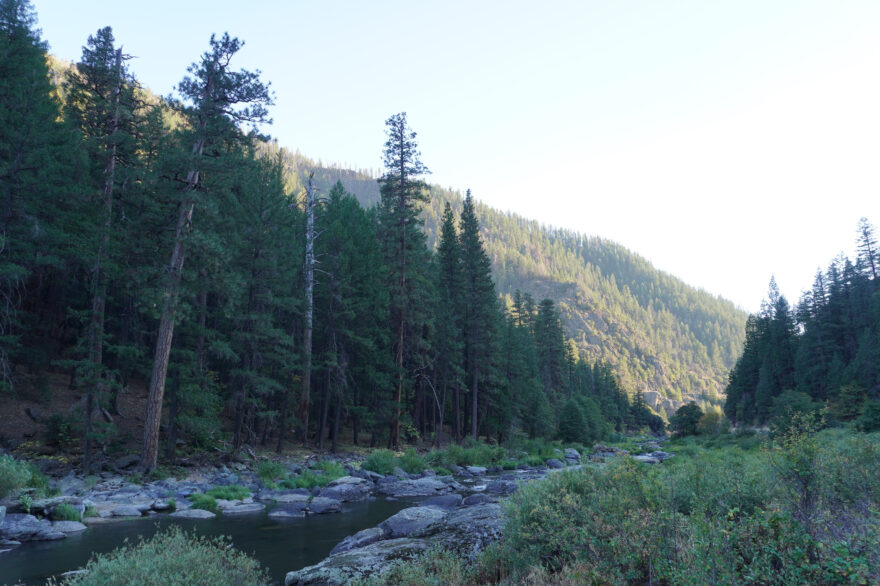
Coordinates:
<point>669,340</point>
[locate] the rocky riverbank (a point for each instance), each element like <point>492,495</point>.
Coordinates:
<point>458,511</point>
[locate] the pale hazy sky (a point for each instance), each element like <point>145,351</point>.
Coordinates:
<point>724,141</point>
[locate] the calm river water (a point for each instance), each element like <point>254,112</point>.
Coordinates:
<point>279,546</point>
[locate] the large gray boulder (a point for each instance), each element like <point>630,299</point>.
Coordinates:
<point>293,510</point>
<point>2,514</point>
<point>243,509</point>
<point>18,527</point>
<point>412,521</point>
<point>445,501</point>
<point>347,489</point>
<point>359,563</point>
<point>469,530</point>
<point>359,539</point>
<point>322,505</point>
<point>68,526</point>
<point>554,463</point>
<point>127,511</point>
<point>428,486</point>
<point>193,514</point>
<point>501,487</point>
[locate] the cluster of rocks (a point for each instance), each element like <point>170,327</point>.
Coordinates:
<point>449,522</point>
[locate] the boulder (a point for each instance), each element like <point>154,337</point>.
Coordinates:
<point>501,487</point>
<point>19,527</point>
<point>554,463</point>
<point>411,521</point>
<point>428,486</point>
<point>124,462</point>
<point>2,514</point>
<point>295,495</point>
<point>347,489</point>
<point>68,526</point>
<point>477,499</point>
<point>293,510</point>
<point>646,458</point>
<point>244,509</point>
<point>321,505</point>
<point>359,563</point>
<point>161,505</point>
<point>572,454</point>
<point>445,501</point>
<point>127,511</point>
<point>193,514</point>
<point>660,455</point>
<point>476,470</point>
<point>469,530</point>
<point>359,539</point>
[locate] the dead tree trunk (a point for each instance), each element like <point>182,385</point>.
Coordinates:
<point>304,399</point>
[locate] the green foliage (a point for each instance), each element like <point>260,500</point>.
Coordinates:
<point>411,462</point>
<point>270,471</point>
<point>176,558</point>
<point>380,461</point>
<point>229,493</point>
<point>203,501</point>
<point>329,471</point>
<point>869,420</point>
<point>435,568</point>
<point>14,475</point>
<point>796,514</point>
<point>172,504</point>
<point>63,431</point>
<point>92,511</point>
<point>66,512</point>
<point>686,419</point>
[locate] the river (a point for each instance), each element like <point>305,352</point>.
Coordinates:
<point>279,546</point>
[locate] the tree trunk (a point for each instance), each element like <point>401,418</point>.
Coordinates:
<point>310,302</point>
<point>99,287</point>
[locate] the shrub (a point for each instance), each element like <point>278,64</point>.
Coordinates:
<point>173,557</point>
<point>869,420</point>
<point>269,471</point>
<point>203,501</point>
<point>411,462</point>
<point>66,512</point>
<point>63,431</point>
<point>509,464</point>
<point>172,504</point>
<point>91,511</point>
<point>229,493</point>
<point>686,419</point>
<point>380,461</point>
<point>14,475</point>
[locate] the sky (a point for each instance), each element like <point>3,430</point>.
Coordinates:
<point>723,141</point>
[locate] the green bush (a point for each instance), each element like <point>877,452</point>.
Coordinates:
<point>14,475</point>
<point>380,461</point>
<point>269,471</point>
<point>509,464</point>
<point>411,462</point>
<point>91,511</point>
<point>328,472</point>
<point>172,504</point>
<point>63,431</point>
<point>441,471</point>
<point>175,558</point>
<point>869,420</point>
<point>66,512</point>
<point>203,501</point>
<point>229,493</point>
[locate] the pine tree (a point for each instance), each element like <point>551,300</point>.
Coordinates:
<point>449,345</point>
<point>479,305</point>
<point>37,170</point>
<point>221,99</point>
<point>402,194</point>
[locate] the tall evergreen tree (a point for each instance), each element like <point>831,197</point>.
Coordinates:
<point>221,100</point>
<point>449,345</point>
<point>37,169</point>
<point>402,194</point>
<point>479,305</point>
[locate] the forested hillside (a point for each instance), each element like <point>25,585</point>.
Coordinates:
<point>669,340</point>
